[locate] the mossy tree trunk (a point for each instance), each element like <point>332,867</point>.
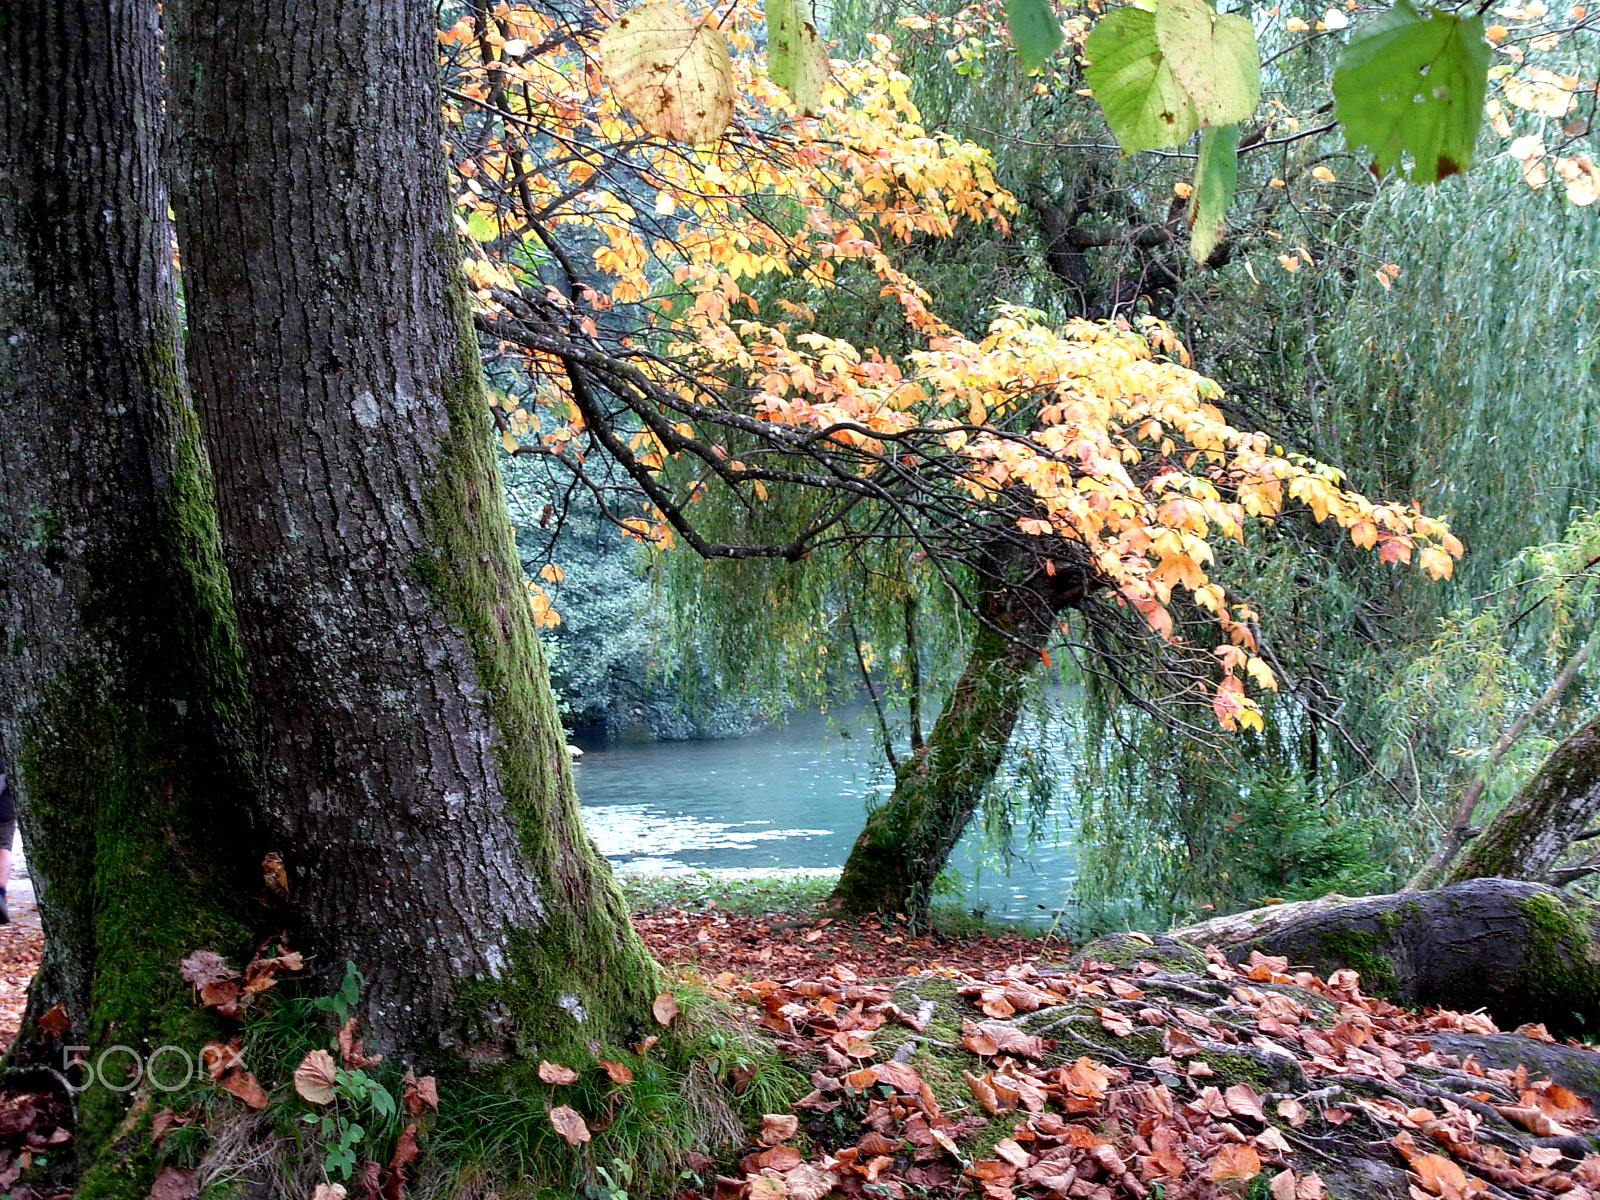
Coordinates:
<point>122,708</point>
<point>1524,951</point>
<point>415,774</point>
<point>1528,835</point>
<point>908,838</point>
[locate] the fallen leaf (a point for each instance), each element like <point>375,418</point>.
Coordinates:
<point>328,1191</point>
<point>54,1021</point>
<point>1292,1111</point>
<point>1234,1161</point>
<point>315,1077</point>
<point>1115,1023</point>
<point>766,1187</point>
<point>351,1049</point>
<point>556,1074</point>
<point>243,1085</point>
<point>665,1008</point>
<point>420,1094</point>
<point>777,1128</point>
<point>175,1183</point>
<point>566,1121</point>
<point>1242,1101</point>
<point>1282,1186</point>
<point>405,1148</point>
<point>620,1073</point>
<point>206,967</point>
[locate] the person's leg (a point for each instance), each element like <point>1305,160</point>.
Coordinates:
<point>8,835</point>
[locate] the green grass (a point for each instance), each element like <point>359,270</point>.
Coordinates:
<point>787,895</point>
<point>800,897</point>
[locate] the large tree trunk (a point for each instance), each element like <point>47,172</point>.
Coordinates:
<point>908,838</point>
<point>415,774</point>
<point>121,696</point>
<point>1523,951</point>
<point>1539,822</point>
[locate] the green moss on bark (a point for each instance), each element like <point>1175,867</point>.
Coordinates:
<point>583,956</point>
<point>136,785</point>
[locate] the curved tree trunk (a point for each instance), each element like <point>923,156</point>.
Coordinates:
<point>122,706</point>
<point>908,838</point>
<point>415,773</point>
<point>1539,822</point>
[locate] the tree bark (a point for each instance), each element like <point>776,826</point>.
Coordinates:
<point>416,779</point>
<point>1530,833</point>
<point>908,838</point>
<point>1523,951</point>
<point>122,709</point>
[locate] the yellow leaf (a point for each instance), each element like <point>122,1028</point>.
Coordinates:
<point>671,72</point>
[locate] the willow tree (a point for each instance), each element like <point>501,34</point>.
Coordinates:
<point>122,703</point>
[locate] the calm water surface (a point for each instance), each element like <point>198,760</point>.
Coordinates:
<point>788,796</point>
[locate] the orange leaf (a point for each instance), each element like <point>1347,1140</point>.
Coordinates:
<point>1235,1162</point>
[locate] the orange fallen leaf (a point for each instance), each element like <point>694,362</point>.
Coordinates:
<point>620,1073</point>
<point>665,1008</point>
<point>1234,1161</point>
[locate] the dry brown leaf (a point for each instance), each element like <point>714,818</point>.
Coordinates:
<point>54,1021</point>
<point>777,1128</point>
<point>1242,1101</point>
<point>808,1182</point>
<point>1293,1111</point>
<point>405,1147</point>
<point>1009,1150</point>
<point>1440,1175</point>
<point>175,1183</point>
<point>976,1040</point>
<point>619,1073</point>
<point>1115,1023</point>
<point>1282,1186</point>
<point>206,967</point>
<point>556,1074</point>
<point>421,1094</point>
<point>1234,1161</point>
<point>767,1187</point>
<point>328,1191</point>
<point>243,1085</point>
<point>351,1049</point>
<point>315,1077</point>
<point>665,1008</point>
<point>983,1090</point>
<point>566,1121</point>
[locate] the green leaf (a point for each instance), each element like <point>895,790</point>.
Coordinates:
<point>1144,103</point>
<point>480,228</point>
<point>1214,59</point>
<point>796,59</point>
<point>1214,178</point>
<point>1413,82</point>
<point>1034,31</point>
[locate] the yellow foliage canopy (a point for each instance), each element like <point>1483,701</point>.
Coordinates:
<point>1117,444</point>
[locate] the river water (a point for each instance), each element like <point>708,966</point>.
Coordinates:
<point>789,796</point>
